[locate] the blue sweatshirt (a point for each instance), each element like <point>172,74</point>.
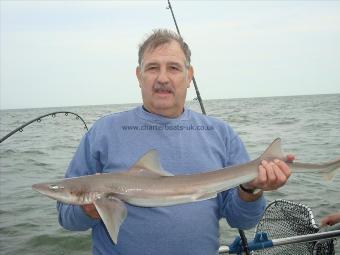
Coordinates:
<point>188,144</point>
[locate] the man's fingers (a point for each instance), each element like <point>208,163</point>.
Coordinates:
<point>324,222</point>
<point>290,157</point>
<point>262,176</point>
<point>91,211</point>
<point>281,178</point>
<point>283,167</point>
<point>331,219</point>
<point>271,175</point>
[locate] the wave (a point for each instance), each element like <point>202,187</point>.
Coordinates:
<point>72,243</point>
<point>35,152</point>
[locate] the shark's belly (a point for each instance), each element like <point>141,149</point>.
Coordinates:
<point>165,196</point>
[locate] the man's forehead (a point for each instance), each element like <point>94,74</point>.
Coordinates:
<point>167,52</point>
<point>172,48</point>
<point>167,62</point>
<point>163,45</point>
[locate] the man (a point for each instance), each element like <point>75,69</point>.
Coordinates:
<point>187,142</point>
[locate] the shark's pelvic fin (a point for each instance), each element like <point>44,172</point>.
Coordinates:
<point>149,164</point>
<point>113,212</point>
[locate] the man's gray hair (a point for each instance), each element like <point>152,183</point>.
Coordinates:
<point>160,37</point>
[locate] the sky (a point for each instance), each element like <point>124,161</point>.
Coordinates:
<point>67,53</point>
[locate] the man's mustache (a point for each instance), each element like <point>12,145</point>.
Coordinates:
<point>165,87</point>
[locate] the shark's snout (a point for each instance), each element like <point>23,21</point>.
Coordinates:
<point>39,187</point>
<point>57,190</point>
<point>47,188</point>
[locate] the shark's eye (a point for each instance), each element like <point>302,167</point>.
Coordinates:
<point>55,187</point>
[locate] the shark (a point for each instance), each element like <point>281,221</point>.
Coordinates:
<point>147,184</point>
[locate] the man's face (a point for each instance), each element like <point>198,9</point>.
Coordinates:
<point>164,79</point>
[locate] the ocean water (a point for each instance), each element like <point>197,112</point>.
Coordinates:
<point>308,125</point>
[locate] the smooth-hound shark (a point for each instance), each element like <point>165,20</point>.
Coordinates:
<point>146,184</point>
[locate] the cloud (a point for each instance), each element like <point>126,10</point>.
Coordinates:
<point>85,52</point>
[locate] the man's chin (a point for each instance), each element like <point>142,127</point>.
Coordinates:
<point>164,103</point>
<point>162,107</point>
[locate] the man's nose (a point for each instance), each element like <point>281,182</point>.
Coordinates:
<point>163,76</point>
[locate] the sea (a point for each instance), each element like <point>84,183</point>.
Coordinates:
<point>309,127</point>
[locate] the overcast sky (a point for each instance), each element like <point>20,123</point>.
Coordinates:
<point>63,53</point>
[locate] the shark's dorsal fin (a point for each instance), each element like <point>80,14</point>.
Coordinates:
<point>274,151</point>
<point>149,164</point>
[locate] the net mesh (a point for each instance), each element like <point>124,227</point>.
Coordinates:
<point>285,219</point>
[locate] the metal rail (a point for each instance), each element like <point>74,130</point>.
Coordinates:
<point>261,241</point>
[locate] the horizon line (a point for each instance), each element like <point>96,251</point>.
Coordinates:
<point>127,103</point>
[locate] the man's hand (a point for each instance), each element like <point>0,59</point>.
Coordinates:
<point>271,176</point>
<point>330,219</point>
<point>91,211</point>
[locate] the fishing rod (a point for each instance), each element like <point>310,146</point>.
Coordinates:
<point>198,95</point>
<point>261,241</point>
<point>38,119</point>
<point>199,98</point>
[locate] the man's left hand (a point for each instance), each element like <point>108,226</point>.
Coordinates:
<point>271,175</point>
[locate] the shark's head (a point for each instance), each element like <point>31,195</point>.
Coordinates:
<point>52,190</point>
<point>61,191</point>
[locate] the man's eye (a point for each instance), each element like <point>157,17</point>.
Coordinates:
<point>151,68</point>
<point>174,68</point>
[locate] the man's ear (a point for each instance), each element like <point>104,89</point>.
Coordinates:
<point>139,75</point>
<point>190,75</point>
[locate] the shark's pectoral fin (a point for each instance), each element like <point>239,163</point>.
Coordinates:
<point>113,212</point>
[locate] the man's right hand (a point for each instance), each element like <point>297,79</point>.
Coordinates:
<point>91,211</point>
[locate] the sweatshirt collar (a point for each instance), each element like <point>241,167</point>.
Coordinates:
<point>145,114</point>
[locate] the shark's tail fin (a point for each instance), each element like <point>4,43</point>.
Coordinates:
<point>331,170</point>
<point>328,169</point>
<point>274,151</point>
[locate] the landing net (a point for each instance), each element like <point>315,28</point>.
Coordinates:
<point>283,219</point>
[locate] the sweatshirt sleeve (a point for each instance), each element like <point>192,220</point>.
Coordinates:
<point>239,213</point>
<point>84,162</point>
